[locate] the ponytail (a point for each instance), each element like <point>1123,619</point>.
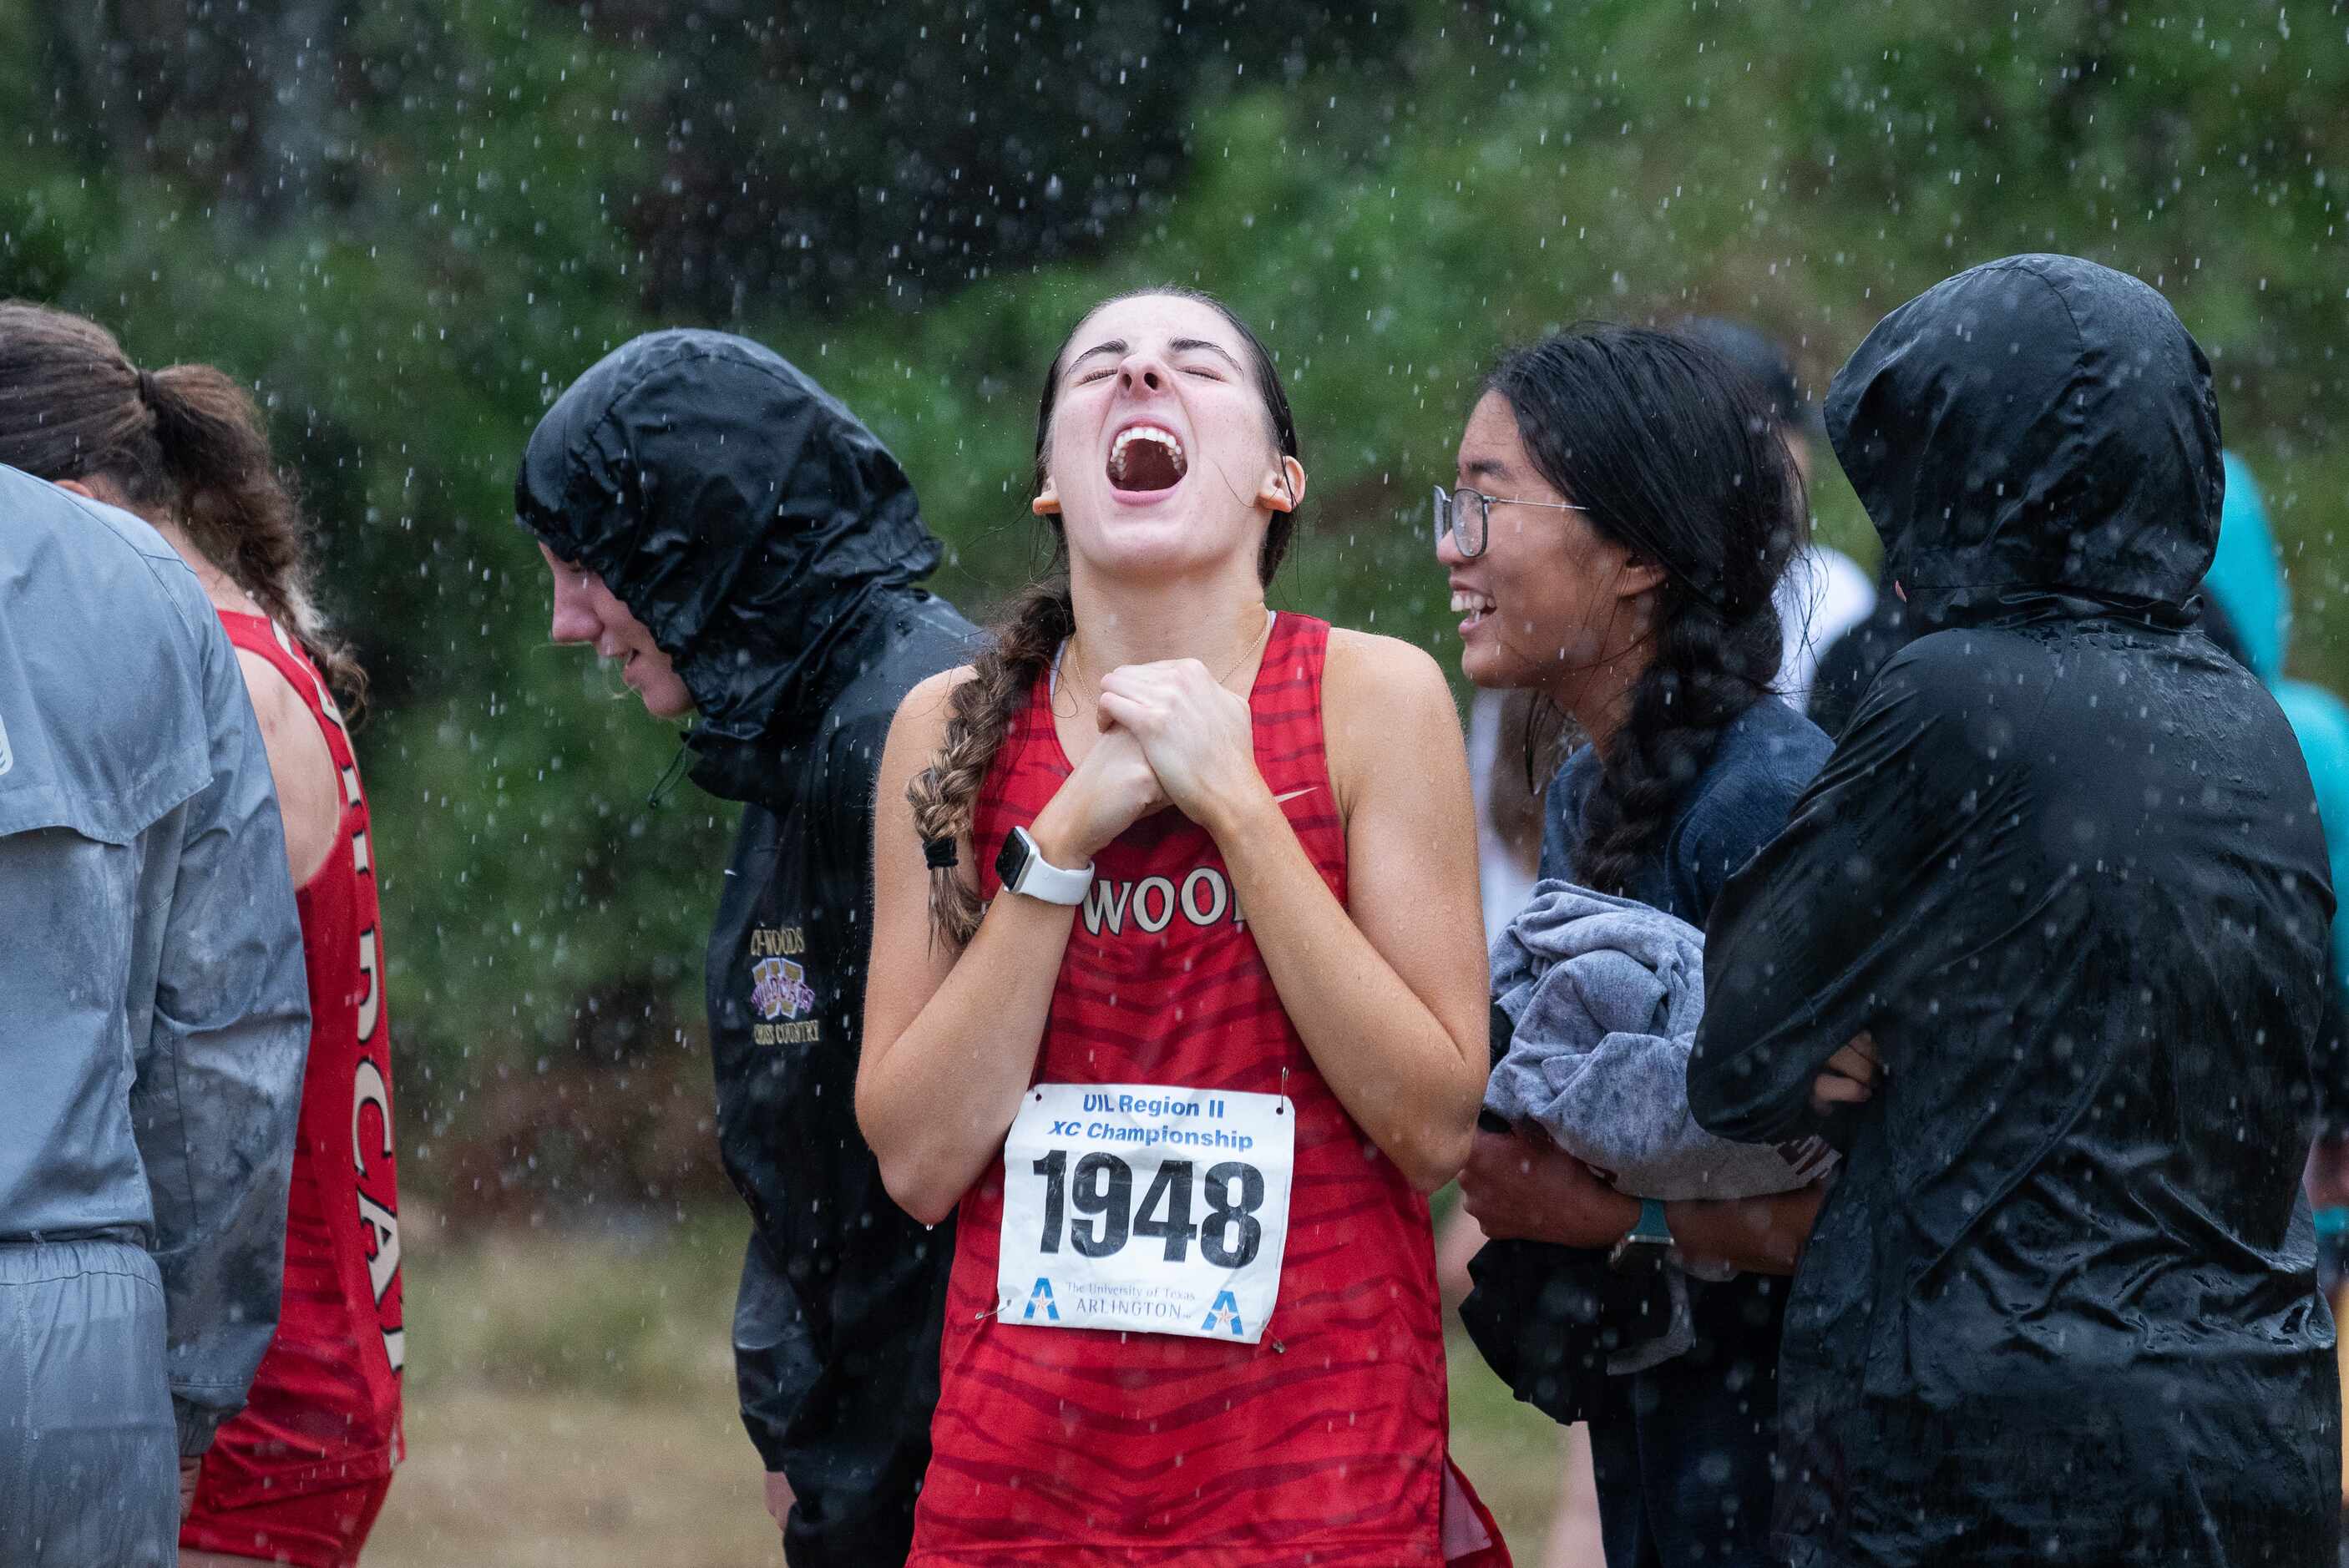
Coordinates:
<point>184,445</point>
<point>240,512</point>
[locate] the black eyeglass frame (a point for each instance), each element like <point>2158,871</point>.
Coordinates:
<point>1452,516</point>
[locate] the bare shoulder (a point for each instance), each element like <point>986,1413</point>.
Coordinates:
<point>1387,717</point>
<point>1364,669</point>
<point>924,709</point>
<point>282,710</point>
<point>309,798</point>
<point>919,730</point>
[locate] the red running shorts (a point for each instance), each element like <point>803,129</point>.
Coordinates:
<point>321,1527</point>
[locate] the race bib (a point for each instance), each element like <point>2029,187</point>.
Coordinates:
<point>1145,1208</point>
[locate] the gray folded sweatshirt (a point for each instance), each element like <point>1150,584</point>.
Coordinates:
<point>1604,996</point>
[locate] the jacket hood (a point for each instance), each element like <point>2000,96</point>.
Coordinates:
<point>2034,429</point>
<point>2247,577</point>
<point>740,512</point>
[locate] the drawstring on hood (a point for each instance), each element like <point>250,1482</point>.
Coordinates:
<point>677,769</point>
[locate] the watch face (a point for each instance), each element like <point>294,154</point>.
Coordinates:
<point>1637,1256</point>
<point>1013,860</point>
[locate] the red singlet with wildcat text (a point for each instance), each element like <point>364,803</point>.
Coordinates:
<point>325,1410</point>
<point>1323,1442</point>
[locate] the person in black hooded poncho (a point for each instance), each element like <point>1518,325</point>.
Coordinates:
<point>2064,866</point>
<point>769,546</point>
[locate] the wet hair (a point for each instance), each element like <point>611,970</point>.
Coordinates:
<point>1020,645</point>
<point>183,444</point>
<point>1673,456</point>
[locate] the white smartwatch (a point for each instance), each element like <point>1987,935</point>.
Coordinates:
<point>1024,869</point>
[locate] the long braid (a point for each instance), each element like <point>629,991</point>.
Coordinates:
<point>1706,672</point>
<point>242,510</point>
<point>945,795</point>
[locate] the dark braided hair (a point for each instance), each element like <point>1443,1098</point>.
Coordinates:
<point>1674,457</point>
<point>1020,645</point>
<point>184,445</point>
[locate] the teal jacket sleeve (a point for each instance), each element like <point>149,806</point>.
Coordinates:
<point>2320,721</point>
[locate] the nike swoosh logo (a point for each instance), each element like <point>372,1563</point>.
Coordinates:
<point>1293,794</point>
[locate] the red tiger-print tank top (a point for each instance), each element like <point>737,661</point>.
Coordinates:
<point>1325,1441</point>
<point>325,1406</point>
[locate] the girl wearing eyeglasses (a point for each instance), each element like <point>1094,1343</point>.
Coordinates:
<point>1622,514</point>
<point>1174,899</point>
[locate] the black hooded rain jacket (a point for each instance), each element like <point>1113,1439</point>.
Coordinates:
<point>771,546</point>
<point>2065,863</point>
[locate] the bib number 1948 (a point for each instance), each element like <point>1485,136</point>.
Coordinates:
<point>1141,1208</point>
<point>1229,1236</point>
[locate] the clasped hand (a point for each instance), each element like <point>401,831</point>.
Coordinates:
<point>1171,735</point>
<point>1195,733</point>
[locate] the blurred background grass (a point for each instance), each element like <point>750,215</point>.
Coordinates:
<point>570,1401</point>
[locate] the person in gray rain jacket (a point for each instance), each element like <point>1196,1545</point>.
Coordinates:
<point>752,553</point>
<point>2065,867</point>
<point>157,1012</point>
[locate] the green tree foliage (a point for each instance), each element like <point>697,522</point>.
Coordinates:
<point>821,157</point>
<point>410,227</point>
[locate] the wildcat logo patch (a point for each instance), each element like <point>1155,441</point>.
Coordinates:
<point>780,989</point>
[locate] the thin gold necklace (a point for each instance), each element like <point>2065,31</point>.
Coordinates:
<point>1264,634</point>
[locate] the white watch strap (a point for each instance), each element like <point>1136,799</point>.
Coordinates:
<point>1054,884</point>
